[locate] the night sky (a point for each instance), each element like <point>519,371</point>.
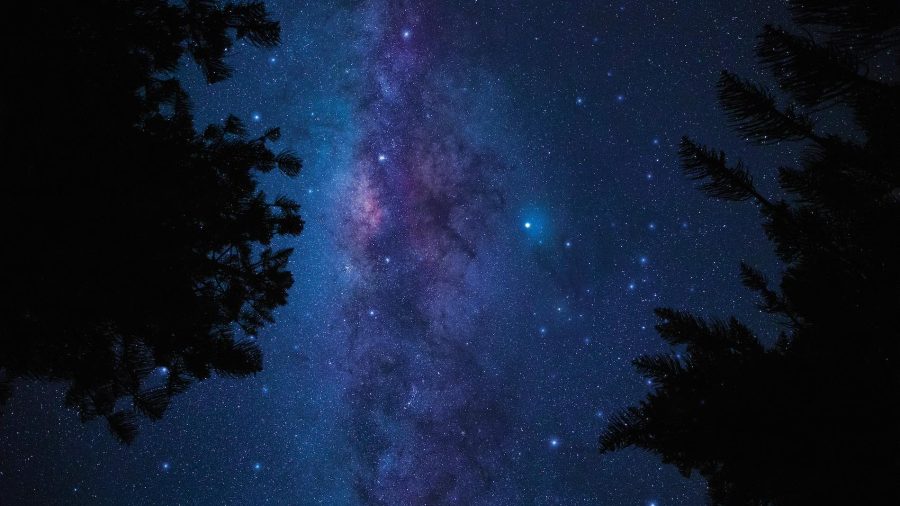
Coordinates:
<point>494,206</point>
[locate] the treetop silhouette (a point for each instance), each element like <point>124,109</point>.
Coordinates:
<point>142,254</point>
<point>813,417</point>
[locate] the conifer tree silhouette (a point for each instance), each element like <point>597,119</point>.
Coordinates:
<point>140,250</point>
<point>815,418</point>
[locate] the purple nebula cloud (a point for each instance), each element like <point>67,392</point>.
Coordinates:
<point>418,206</point>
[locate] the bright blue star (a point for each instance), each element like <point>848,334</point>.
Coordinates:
<point>554,442</point>
<point>257,466</point>
<point>256,116</point>
<point>527,224</point>
<point>165,466</point>
<point>407,34</point>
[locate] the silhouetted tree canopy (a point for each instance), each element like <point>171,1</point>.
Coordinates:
<point>140,253</point>
<point>814,418</point>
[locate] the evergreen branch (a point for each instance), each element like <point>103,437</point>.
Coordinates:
<point>236,358</point>
<point>272,134</point>
<point>719,180</point>
<point>624,429</point>
<point>123,425</point>
<point>251,21</point>
<point>659,367</point>
<point>815,75</point>
<point>772,302</point>
<point>752,111</point>
<point>704,339</point>
<point>868,27</point>
<point>288,163</point>
<point>234,126</point>
<point>152,403</point>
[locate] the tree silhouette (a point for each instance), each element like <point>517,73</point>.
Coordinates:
<point>813,418</point>
<point>140,250</point>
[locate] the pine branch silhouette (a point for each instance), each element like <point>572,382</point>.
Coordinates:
<point>718,179</point>
<point>813,418</point>
<point>752,112</point>
<point>148,264</point>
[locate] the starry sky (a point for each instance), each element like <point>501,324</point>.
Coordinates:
<point>494,206</point>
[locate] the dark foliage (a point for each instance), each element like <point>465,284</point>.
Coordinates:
<point>814,418</point>
<point>139,254</point>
